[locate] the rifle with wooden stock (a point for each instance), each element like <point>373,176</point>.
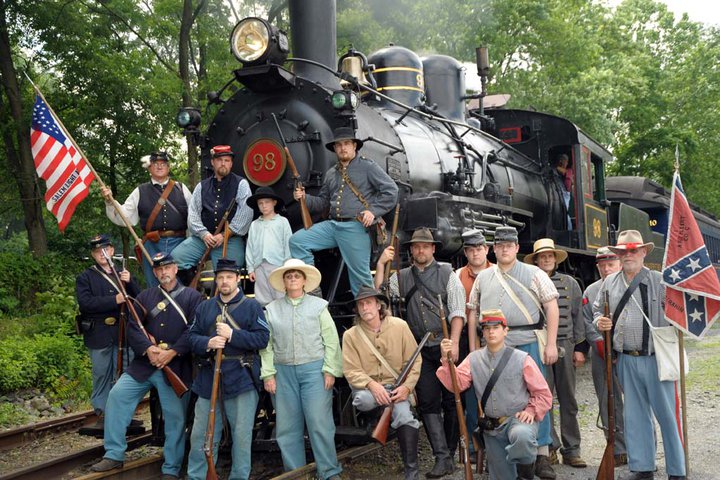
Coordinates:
<point>175,382</point>
<point>464,437</point>
<point>220,228</point>
<point>381,429</point>
<point>607,465</point>
<point>215,392</point>
<point>388,266</point>
<point>121,337</point>
<point>304,212</point>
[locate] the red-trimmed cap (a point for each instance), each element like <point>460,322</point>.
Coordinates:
<point>221,151</point>
<point>492,317</point>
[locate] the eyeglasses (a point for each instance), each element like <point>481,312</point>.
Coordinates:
<point>294,275</point>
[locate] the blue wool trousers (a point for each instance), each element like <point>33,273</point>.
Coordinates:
<point>301,400</point>
<point>240,412</point>
<point>510,444</point>
<point>645,396</point>
<point>543,434</point>
<point>190,251</point>
<point>124,398</point>
<point>350,237</point>
<point>104,364</point>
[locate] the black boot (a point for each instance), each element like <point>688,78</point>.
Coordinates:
<point>639,476</point>
<point>525,471</point>
<point>444,464</point>
<point>408,440</point>
<point>452,431</point>
<point>186,276</point>
<point>543,468</point>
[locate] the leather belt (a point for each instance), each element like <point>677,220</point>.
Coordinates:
<point>339,219</point>
<point>638,353</point>
<point>165,233</point>
<point>534,326</point>
<point>496,422</point>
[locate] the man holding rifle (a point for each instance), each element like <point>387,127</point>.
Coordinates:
<point>375,351</point>
<point>636,297</point>
<point>419,286</point>
<point>210,200</point>
<point>100,303</point>
<point>514,396</point>
<point>236,324</point>
<point>160,206</point>
<point>358,193</point>
<point>166,310</point>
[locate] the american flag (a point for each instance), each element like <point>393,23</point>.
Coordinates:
<point>59,163</point>
<point>692,296</point>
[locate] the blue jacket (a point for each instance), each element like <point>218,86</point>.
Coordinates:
<point>252,334</point>
<point>165,327</point>
<point>96,299</point>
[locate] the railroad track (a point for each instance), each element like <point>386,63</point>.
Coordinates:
<point>18,437</point>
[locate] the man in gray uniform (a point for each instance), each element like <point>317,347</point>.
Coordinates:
<point>419,286</point>
<point>607,263</point>
<point>358,193</point>
<point>570,338</point>
<point>522,292</point>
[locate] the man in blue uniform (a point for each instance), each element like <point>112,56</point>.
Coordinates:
<point>166,310</point>
<point>160,206</point>
<point>236,324</point>
<point>358,193</point>
<point>210,200</point>
<point>100,301</point>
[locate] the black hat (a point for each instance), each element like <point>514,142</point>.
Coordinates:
<point>506,234</point>
<point>155,156</point>
<point>264,192</point>
<point>99,241</point>
<point>343,133</point>
<point>473,238</point>
<point>423,235</point>
<point>161,259</point>
<point>227,265</point>
<point>367,292</point>
<point>221,151</point>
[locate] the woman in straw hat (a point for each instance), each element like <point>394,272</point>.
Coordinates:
<point>299,367</point>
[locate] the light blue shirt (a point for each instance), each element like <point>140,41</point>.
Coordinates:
<point>268,240</point>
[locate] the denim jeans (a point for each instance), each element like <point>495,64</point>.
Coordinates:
<point>165,245</point>
<point>122,401</point>
<point>543,434</point>
<point>240,412</point>
<point>300,400</point>
<point>364,401</point>
<point>190,251</point>
<point>350,237</point>
<point>512,443</point>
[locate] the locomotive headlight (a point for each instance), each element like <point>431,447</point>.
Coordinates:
<point>188,118</point>
<point>344,100</point>
<point>255,41</point>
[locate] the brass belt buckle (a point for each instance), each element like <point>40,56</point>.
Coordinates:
<point>110,321</point>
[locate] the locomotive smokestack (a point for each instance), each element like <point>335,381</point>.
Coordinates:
<point>313,32</point>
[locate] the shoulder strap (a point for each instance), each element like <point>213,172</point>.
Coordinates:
<point>628,293</point>
<point>170,298</point>
<point>495,375</point>
<point>352,186</point>
<point>377,354</point>
<point>518,303</point>
<point>159,204</point>
<point>106,277</point>
<point>228,310</point>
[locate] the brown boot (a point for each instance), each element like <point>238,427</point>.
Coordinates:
<point>543,468</point>
<point>525,471</point>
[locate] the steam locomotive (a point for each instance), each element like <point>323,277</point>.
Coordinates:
<point>456,169</point>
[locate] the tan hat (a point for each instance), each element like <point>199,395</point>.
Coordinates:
<point>546,245</point>
<point>629,239</point>
<point>423,235</point>
<point>312,275</point>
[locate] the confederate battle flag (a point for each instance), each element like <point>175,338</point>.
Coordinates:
<point>692,296</point>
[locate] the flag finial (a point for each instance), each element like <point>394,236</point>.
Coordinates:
<point>677,157</point>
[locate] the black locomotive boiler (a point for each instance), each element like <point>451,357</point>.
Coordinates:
<point>456,169</point>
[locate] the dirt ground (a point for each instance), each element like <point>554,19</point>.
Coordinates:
<point>703,398</point>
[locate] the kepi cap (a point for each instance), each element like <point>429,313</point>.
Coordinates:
<point>161,259</point>
<point>492,317</point>
<point>506,234</point>
<point>473,238</point>
<point>604,254</point>
<point>99,241</point>
<point>221,151</point>
<point>227,265</point>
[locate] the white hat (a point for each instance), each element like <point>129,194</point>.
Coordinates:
<point>312,275</point>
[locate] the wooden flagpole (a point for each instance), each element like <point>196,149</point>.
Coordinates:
<point>683,399</point>
<point>115,204</point>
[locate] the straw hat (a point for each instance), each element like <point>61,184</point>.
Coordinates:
<point>629,239</point>
<point>546,245</point>
<point>312,275</point>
